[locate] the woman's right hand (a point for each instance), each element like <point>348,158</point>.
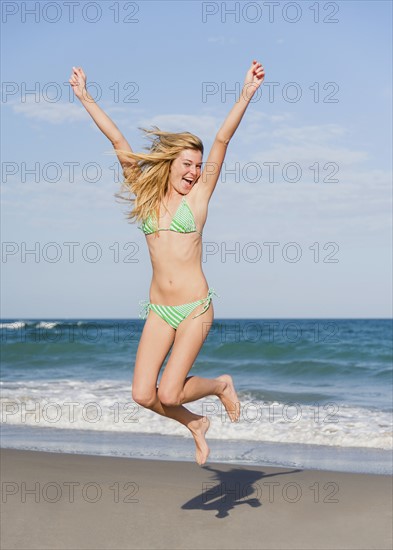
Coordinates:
<point>78,82</point>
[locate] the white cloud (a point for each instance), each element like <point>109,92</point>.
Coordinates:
<point>307,154</point>
<point>63,204</point>
<point>305,144</point>
<point>310,134</point>
<point>42,110</point>
<point>204,125</point>
<point>359,204</point>
<point>207,125</point>
<point>53,113</point>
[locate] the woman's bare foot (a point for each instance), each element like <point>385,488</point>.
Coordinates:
<point>229,398</point>
<point>198,428</point>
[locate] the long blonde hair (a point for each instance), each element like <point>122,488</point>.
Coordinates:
<point>148,177</point>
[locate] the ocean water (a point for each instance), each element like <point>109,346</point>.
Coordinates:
<point>313,392</point>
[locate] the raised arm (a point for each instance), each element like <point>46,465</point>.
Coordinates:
<point>104,123</point>
<point>211,172</point>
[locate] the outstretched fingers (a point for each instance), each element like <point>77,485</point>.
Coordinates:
<point>78,80</point>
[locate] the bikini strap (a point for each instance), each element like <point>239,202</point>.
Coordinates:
<point>145,306</point>
<point>207,301</point>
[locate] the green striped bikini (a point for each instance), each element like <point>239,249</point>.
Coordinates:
<point>174,315</point>
<point>182,222</point>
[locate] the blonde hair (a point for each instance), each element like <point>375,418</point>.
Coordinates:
<point>148,177</point>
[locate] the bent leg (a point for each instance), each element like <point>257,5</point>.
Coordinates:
<point>156,340</point>
<point>175,388</point>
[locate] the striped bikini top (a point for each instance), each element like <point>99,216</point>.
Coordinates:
<point>182,222</point>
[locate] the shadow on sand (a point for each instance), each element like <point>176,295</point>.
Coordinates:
<point>229,489</point>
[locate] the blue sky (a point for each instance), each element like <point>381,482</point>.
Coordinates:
<point>157,70</point>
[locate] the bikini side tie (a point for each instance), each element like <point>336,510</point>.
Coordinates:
<point>207,301</point>
<point>145,305</point>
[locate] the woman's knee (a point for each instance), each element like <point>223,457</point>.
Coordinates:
<point>144,398</point>
<point>168,398</point>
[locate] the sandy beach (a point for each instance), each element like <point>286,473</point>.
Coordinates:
<point>70,501</point>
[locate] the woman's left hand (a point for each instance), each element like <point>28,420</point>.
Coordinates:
<point>254,78</point>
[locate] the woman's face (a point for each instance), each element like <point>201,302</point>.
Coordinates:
<point>185,170</point>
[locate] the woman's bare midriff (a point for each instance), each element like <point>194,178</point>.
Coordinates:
<point>177,271</point>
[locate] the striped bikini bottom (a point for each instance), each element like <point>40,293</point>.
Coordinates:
<point>174,315</point>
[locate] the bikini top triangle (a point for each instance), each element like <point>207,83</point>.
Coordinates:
<point>182,222</point>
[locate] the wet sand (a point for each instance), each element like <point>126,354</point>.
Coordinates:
<point>81,502</point>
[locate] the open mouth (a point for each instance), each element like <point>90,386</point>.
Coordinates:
<point>188,181</point>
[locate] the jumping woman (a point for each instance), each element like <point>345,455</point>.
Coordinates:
<point>172,193</point>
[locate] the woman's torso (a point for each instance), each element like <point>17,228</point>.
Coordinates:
<point>177,257</point>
